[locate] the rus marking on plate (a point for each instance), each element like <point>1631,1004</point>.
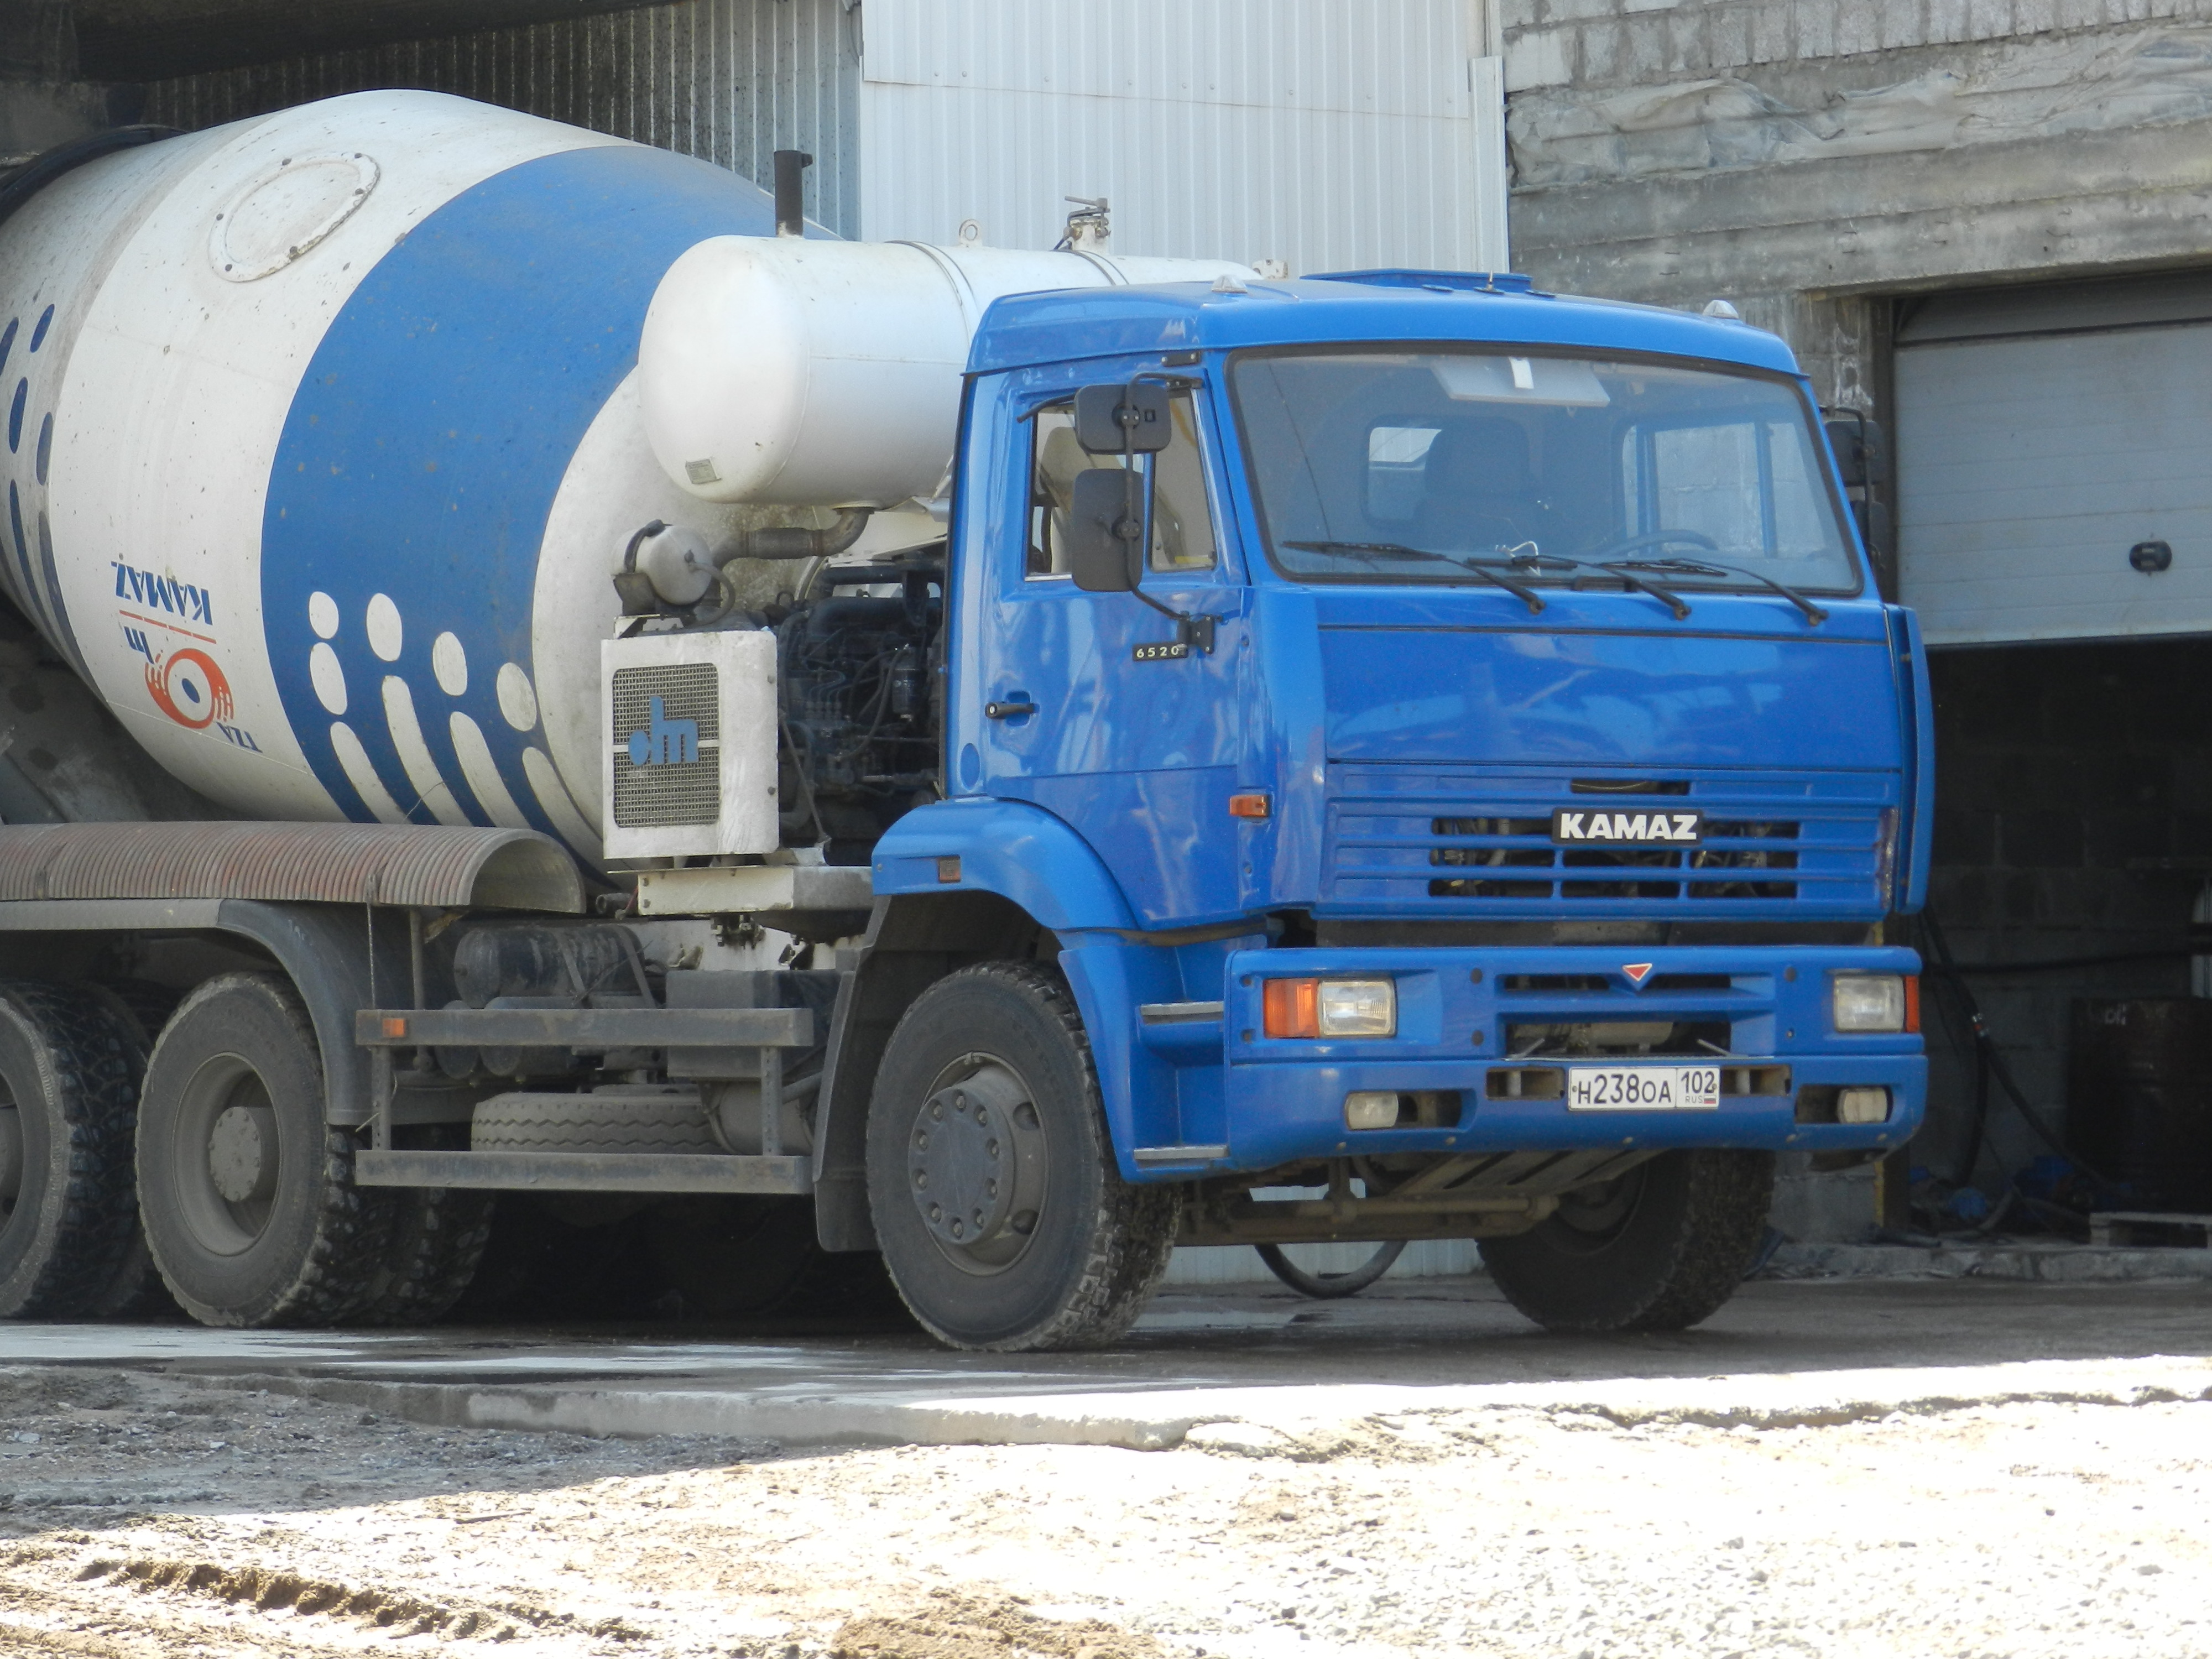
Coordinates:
<point>1577,827</point>
<point>1168,652</point>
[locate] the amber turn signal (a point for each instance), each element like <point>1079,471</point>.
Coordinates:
<point>1252,804</point>
<point>1292,1008</point>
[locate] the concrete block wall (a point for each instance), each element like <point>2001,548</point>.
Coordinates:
<point>2075,791</point>
<point>1797,153</point>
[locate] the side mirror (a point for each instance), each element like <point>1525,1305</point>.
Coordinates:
<point>1862,450</point>
<point>1105,527</point>
<point>1117,419</point>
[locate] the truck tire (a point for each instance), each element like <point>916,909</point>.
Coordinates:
<point>438,1238</point>
<point>1659,1249</point>
<point>66,1104</point>
<point>246,1191</point>
<point>1002,1217</point>
<point>140,1008</point>
<point>612,1122</point>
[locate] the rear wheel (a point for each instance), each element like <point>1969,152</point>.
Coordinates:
<point>438,1238</point>
<point>1002,1217</point>
<point>246,1191</point>
<point>140,1008</point>
<point>1658,1249</point>
<point>66,1100</point>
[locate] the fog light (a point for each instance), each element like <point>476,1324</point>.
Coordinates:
<point>1861,1105</point>
<point>1371,1108</point>
<point>1867,1002</point>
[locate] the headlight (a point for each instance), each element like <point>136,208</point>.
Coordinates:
<point>1330,1007</point>
<point>1874,1002</point>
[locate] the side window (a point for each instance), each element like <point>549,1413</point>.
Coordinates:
<point>1183,514</point>
<point>1056,459</point>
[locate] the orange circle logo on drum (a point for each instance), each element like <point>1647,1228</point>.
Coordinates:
<point>190,689</point>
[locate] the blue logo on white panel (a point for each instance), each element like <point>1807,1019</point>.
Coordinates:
<point>664,742</point>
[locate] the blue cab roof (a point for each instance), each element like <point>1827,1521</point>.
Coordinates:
<point>1357,307</point>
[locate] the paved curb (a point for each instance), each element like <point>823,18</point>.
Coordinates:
<point>1304,1422</point>
<point>2046,1264</point>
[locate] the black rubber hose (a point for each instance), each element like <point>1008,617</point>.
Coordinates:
<point>1989,1060</point>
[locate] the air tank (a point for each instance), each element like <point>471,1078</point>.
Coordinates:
<point>325,433</point>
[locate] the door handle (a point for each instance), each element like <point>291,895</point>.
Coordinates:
<point>1000,711</point>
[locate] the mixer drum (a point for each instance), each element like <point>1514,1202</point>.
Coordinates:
<point>320,427</point>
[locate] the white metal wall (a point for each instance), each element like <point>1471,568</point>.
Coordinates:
<point>1329,134</point>
<point>729,81</point>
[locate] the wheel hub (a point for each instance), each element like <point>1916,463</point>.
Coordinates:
<point>241,1153</point>
<point>976,1166</point>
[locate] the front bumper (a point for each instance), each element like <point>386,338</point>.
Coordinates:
<point>1282,1099</point>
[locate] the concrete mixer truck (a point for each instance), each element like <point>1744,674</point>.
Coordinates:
<point>535,672</point>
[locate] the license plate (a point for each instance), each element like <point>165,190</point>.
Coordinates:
<point>1584,827</point>
<point>1643,1089</point>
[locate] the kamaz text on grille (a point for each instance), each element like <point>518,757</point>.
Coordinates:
<point>1579,827</point>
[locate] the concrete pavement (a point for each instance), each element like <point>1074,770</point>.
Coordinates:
<point>1230,1370</point>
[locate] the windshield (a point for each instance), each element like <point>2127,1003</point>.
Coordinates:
<point>1427,466</point>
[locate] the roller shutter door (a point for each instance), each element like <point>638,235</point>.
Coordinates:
<point>2041,433</point>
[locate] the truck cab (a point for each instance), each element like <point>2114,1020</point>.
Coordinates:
<point>1455,765</point>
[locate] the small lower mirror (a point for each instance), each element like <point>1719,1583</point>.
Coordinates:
<point>1105,524</point>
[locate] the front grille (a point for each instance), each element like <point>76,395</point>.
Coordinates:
<point>668,762</point>
<point>1770,844</point>
<point>1709,871</point>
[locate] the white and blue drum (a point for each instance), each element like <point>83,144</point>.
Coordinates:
<point>322,440</point>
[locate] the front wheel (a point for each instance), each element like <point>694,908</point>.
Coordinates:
<point>1658,1249</point>
<point>1001,1215</point>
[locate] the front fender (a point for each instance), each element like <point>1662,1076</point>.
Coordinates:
<point>1021,852</point>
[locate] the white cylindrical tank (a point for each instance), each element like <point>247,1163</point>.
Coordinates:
<point>850,354</point>
<point>324,437</point>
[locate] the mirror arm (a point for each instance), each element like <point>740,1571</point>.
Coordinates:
<point>1192,632</point>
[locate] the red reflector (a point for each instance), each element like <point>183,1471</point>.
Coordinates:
<point>1253,804</point>
<point>394,1028</point>
<point>1291,1007</point>
<point>1912,1002</point>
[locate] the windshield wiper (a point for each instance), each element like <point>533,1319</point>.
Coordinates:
<point>1520,591</point>
<point>1625,571</point>
<point>1813,613</point>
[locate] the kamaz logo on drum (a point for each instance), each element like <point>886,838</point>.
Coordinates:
<point>1583,827</point>
<point>159,593</point>
<point>664,742</point>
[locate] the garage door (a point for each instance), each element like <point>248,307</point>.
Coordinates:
<point>2042,433</point>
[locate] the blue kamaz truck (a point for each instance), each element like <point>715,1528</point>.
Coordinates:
<point>1470,789</point>
<point>1008,761</point>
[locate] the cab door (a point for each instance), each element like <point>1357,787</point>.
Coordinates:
<point>1091,712</point>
